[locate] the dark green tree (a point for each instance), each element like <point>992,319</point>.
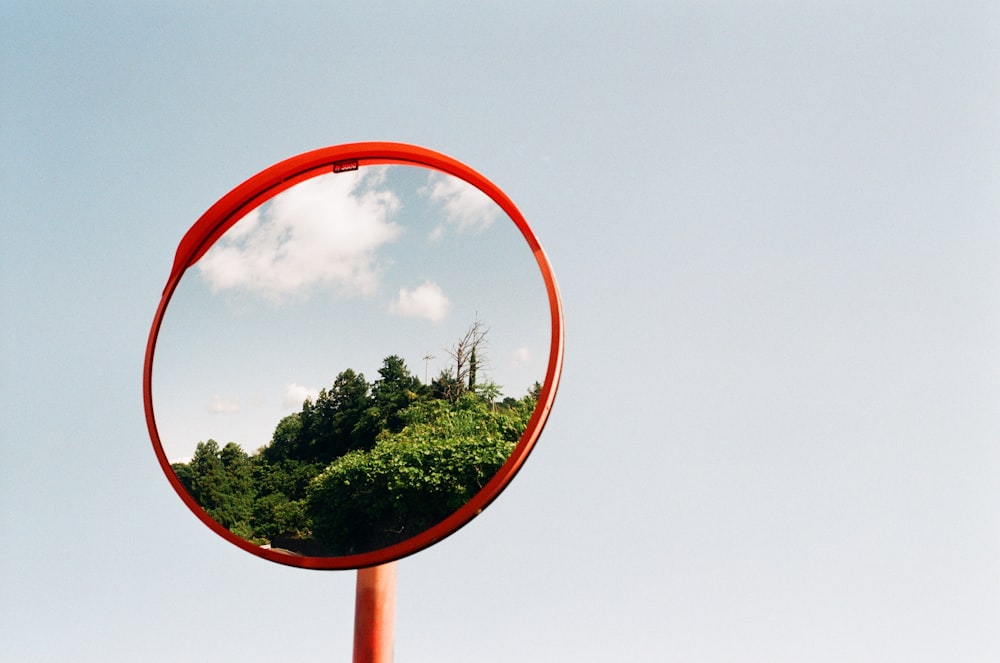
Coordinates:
<point>237,509</point>
<point>446,387</point>
<point>184,475</point>
<point>287,440</point>
<point>472,369</point>
<point>221,481</point>
<point>395,390</point>
<point>328,424</point>
<point>364,466</point>
<point>208,476</point>
<point>279,510</point>
<point>348,401</point>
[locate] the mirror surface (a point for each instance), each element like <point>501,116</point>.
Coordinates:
<point>352,360</point>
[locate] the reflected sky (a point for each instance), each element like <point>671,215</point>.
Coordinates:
<point>339,272</point>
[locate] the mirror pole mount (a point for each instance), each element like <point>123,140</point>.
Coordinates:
<point>375,614</point>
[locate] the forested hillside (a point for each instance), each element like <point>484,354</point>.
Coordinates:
<point>363,465</point>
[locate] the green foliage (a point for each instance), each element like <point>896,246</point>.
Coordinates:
<point>184,474</point>
<point>412,479</point>
<point>446,386</point>
<point>473,366</point>
<point>286,440</point>
<point>363,465</point>
<point>279,510</point>
<point>330,426</point>
<point>395,390</point>
<point>221,481</point>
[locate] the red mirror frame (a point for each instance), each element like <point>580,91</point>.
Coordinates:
<point>264,186</point>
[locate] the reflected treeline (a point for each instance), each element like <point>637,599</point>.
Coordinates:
<point>364,465</point>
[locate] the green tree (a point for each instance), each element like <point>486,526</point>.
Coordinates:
<point>279,510</point>
<point>221,481</point>
<point>329,425</point>
<point>208,475</point>
<point>395,390</point>
<point>411,479</point>
<point>348,399</point>
<point>473,365</point>
<point>287,440</point>
<point>446,387</point>
<point>489,391</point>
<point>184,475</point>
<point>237,509</point>
<point>364,466</point>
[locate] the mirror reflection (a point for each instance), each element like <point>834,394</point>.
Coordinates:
<point>351,361</point>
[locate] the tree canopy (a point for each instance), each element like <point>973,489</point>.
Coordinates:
<point>364,465</point>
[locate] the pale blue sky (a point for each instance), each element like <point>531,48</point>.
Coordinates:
<point>776,228</point>
<point>340,272</point>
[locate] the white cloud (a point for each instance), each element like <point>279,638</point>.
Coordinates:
<point>466,208</point>
<point>296,394</point>
<point>221,405</point>
<point>521,356</point>
<point>324,231</point>
<point>425,301</point>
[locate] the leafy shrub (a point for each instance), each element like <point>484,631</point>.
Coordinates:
<point>412,479</point>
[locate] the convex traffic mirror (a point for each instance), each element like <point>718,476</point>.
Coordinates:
<point>355,352</point>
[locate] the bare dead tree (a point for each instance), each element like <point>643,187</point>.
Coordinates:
<point>468,355</point>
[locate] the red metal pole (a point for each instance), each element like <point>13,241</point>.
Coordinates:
<point>375,614</point>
